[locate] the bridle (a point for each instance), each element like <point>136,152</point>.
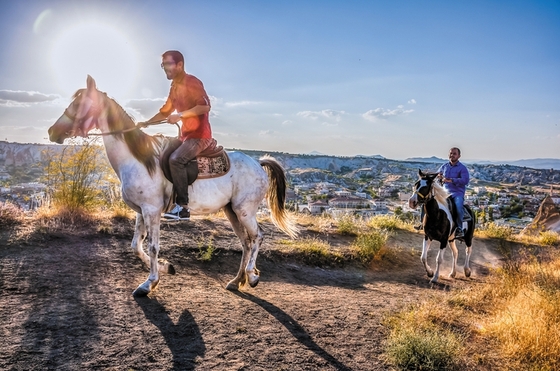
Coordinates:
<point>424,198</point>
<point>95,111</point>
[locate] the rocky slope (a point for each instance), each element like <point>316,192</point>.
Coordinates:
<point>324,168</point>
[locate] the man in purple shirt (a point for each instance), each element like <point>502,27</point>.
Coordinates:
<point>455,178</point>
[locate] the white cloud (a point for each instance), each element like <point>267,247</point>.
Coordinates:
<point>145,107</point>
<point>382,113</point>
<point>328,113</point>
<point>287,122</point>
<point>329,124</point>
<point>20,96</point>
<point>412,101</point>
<point>241,103</point>
<point>265,133</point>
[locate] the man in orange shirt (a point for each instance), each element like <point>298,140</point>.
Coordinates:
<point>188,97</point>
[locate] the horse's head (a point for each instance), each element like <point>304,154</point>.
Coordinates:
<point>80,116</point>
<point>422,189</point>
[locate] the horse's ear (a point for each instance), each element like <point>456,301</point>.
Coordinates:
<point>90,83</point>
<point>420,173</point>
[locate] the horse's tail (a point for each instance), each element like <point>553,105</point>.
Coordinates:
<point>276,196</point>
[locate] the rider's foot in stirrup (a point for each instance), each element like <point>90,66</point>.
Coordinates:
<point>178,213</point>
<point>459,233</point>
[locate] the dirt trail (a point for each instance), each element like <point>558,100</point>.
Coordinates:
<point>66,303</point>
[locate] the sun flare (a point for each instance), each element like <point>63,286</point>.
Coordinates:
<point>98,49</point>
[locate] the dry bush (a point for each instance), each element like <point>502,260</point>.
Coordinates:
<point>60,218</point>
<point>387,222</point>
<point>10,214</point>
<point>543,238</point>
<point>349,225</point>
<point>493,230</point>
<point>313,251</point>
<point>323,223</point>
<point>420,340</point>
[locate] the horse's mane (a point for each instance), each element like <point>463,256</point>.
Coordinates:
<point>143,147</point>
<point>440,194</point>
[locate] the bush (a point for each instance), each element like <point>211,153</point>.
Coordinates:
<point>348,225</point>
<point>10,214</point>
<point>549,238</point>
<point>314,252</point>
<point>368,244</point>
<point>386,222</point>
<point>423,346</point>
<point>493,230</point>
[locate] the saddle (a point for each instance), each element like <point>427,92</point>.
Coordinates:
<point>213,162</point>
<point>453,208</point>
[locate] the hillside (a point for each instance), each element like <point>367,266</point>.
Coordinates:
<point>325,167</point>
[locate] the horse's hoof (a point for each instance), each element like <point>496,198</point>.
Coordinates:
<point>430,273</point>
<point>254,282</point>
<point>452,275</point>
<point>433,280</point>
<point>467,272</point>
<point>140,292</point>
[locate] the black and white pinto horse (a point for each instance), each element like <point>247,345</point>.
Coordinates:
<point>439,223</point>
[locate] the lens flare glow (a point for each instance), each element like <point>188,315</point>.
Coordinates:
<point>99,50</point>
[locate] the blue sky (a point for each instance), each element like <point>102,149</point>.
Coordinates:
<point>400,78</point>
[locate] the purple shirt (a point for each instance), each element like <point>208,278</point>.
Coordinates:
<point>459,175</point>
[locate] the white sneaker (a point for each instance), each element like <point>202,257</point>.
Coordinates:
<point>178,213</point>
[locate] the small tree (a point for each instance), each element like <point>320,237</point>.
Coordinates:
<point>75,177</point>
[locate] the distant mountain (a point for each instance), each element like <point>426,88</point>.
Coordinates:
<point>432,159</point>
<point>534,163</point>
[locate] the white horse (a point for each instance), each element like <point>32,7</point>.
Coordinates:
<point>134,157</point>
<point>438,223</point>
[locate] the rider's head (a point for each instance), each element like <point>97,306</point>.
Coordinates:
<point>454,155</point>
<point>173,63</point>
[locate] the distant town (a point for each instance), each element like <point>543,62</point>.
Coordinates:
<point>319,184</point>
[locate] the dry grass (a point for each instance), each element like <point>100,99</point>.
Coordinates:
<point>367,245</point>
<point>60,218</point>
<point>10,214</point>
<point>312,251</point>
<point>388,223</point>
<point>546,238</point>
<point>493,230</point>
<point>512,321</point>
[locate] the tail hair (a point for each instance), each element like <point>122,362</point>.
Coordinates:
<point>276,196</point>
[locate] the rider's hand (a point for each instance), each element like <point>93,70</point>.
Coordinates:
<point>142,124</point>
<point>174,118</point>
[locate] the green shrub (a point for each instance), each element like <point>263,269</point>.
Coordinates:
<point>313,251</point>
<point>386,222</point>
<point>493,230</point>
<point>368,244</point>
<point>348,225</point>
<point>412,347</point>
<point>206,249</point>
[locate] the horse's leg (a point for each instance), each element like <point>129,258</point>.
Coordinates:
<point>137,241</point>
<point>455,254</point>
<point>468,252</point>
<point>424,257</point>
<point>241,278</point>
<point>438,263</point>
<point>151,220</point>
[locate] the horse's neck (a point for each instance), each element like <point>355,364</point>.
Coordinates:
<point>117,150</point>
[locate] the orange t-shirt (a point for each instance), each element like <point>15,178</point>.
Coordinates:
<point>187,92</point>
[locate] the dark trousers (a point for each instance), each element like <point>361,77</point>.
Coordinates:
<point>178,165</point>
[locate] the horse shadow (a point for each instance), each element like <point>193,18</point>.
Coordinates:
<point>183,339</point>
<point>295,329</point>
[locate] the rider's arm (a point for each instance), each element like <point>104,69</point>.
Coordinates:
<point>195,111</point>
<point>158,117</point>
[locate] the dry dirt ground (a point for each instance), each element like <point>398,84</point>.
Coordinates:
<point>66,303</point>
